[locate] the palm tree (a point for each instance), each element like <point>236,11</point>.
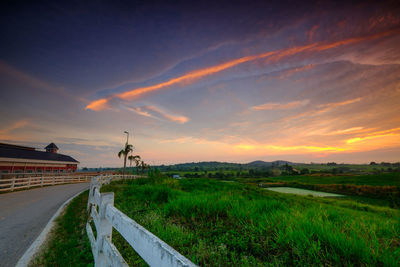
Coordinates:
<point>144,166</point>
<point>124,152</point>
<point>136,159</point>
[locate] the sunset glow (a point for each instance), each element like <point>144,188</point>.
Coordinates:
<point>314,83</point>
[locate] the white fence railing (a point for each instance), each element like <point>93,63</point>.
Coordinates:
<point>153,250</point>
<point>14,183</point>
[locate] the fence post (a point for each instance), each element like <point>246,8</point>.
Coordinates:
<point>41,180</point>
<point>54,180</point>
<point>29,181</point>
<point>13,183</point>
<point>105,228</point>
<point>90,197</point>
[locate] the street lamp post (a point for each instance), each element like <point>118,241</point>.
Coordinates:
<point>127,136</point>
<point>126,154</point>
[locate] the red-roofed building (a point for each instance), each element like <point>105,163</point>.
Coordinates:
<point>22,159</point>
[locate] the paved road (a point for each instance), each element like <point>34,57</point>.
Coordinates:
<point>24,214</point>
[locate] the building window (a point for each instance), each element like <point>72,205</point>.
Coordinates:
<point>61,170</point>
<point>48,171</point>
<point>55,171</point>
<point>39,170</point>
<point>5,171</point>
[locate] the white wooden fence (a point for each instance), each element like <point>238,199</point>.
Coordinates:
<point>15,182</point>
<point>153,250</point>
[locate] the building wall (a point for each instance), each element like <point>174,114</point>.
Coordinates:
<point>37,168</point>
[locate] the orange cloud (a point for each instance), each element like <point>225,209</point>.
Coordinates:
<point>367,142</point>
<point>323,47</point>
<point>98,105</point>
<point>375,135</point>
<point>338,104</point>
<point>272,56</point>
<point>14,126</point>
<point>275,106</point>
<point>294,146</point>
<point>187,78</point>
<point>5,133</point>
<point>352,130</point>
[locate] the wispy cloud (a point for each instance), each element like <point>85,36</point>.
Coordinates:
<point>310,34</point>
<point>338,104</point>
<point>186,140</point>
<point>5,132</point>
<point>375,135</point>
<point>291,149</point>
<point>158,113</point>
<point>322,109</point>
<point>187,78</point>
<point>276,106</point>
<point>140,111</point>
<point>352,130</point>
<point>32,81</point>
<point>292,71</point>
<point>271,56</point>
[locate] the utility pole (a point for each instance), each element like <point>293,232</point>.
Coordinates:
<point>127,136</point>
<point>125,154</point>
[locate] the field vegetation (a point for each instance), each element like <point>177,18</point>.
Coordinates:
<point>217,223</point>
<point>362,182</point>
<point>68,244</point>
<point>229,219</point>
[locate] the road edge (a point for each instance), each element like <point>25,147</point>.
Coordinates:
<point>35,246</point>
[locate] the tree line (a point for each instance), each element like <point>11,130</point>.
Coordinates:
<point>127,154</point>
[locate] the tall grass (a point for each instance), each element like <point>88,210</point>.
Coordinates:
<point>229,224</point>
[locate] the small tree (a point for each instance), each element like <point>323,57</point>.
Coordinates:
<point>124,152</point>
<point>144,166</point>
<point>137,161</point>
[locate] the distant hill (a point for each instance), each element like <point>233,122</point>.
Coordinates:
<point>215,165</point>
<point>260,163</point>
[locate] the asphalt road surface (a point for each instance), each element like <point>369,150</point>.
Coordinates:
<point>24,214</point>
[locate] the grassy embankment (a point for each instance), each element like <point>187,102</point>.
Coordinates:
<point>215,223</point>
<point>69,245</point>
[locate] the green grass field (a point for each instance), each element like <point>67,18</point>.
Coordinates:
<point>219,223</point>
<point>215,223</point>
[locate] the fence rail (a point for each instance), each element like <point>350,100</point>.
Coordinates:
<point>15,182</point>
<point>105,217</point>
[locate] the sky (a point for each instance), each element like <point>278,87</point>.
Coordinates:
<point>234,81</point>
